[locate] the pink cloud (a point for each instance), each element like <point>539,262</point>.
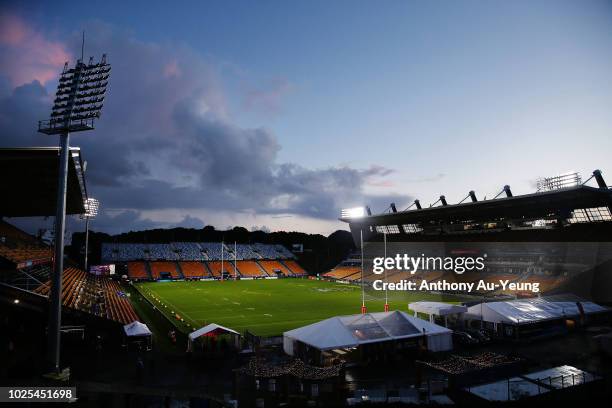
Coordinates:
<point>27,55</point>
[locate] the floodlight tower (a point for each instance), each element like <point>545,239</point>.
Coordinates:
<point>78,103</point>
<point>364,310</point>
<point>91,210</point>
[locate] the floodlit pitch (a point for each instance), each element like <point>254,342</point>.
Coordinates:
<point>266,307</point>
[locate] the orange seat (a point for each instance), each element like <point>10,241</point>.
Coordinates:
<point>137,270</point>
<point>159,267</point>
<point>250,269</point>
<point>193,269</point>
<point>273,267</point>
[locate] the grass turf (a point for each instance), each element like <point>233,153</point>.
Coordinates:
<point>267,307</point>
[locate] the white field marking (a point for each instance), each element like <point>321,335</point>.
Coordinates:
<point>176,308</point>
<point>250,308</point>
<point>267,314</point>
<point>236,303</point>
<point>291,322</point>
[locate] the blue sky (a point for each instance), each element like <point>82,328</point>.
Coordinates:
<point>445,96</point>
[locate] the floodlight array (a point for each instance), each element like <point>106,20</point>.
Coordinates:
<point>91,208</point>
<point>79,98</point>
<point>570,179</point>
<point>356,212</point>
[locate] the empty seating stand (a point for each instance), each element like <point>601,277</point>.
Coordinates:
<point>93,294</point>
<point>250,269</point>
<point>160,268</point>
<point>344,272</point>
<point>273,268</point>
<point>215,268</point>
<point>138,271</point>
<point>294,267</point>
<point>194,269</point>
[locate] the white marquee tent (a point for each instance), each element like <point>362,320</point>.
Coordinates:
<point>138,333</point>
<point>136,329</point>
<point>433,309</point>
<point>212,329</point>
<point>355,330</point>
<point>523,311</point>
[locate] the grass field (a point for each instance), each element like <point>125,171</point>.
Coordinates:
<point>266,307</point>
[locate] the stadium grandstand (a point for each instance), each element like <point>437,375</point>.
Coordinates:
<point>568,211</point>
<point>26,262</point>
<point>202,260</point>
<point>550,236</point>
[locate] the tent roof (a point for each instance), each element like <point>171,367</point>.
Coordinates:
<point>136,329</point>
<point>210,328</point>
<point>533,310</point>
<point>437,308</point>
<point>354,330</point>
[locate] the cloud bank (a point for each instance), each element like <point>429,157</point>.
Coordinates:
<point>166,139</point>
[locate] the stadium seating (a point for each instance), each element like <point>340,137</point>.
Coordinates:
<point>266,251</point>
<point>137,270</point>
<point>250,269</point>
<point>194,269</point>
<point>344,272</point>
<point>18,255</point>
<point>160,267</point>
<point>161,252</point>
<point>93,294</point>
<point>272,268</point>
<point>188,251</point>
<point>283,253</point>
<point>215,268</point>
<point>191,251</point>
<point>201,259</point>
<point>213,250</point>
<point>294,267</point>
<point>18,247</point>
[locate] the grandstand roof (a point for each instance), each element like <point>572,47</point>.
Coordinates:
<point>29,177</point>
<point>536,205</point>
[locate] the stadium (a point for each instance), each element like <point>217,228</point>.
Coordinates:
<point>479,301</point>
<point>256,305</point>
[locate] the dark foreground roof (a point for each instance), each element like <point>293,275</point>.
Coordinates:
<point>530,206</point>
<point>28,179</point>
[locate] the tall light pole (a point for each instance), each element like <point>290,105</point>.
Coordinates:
<point>386,293</point>
<point>363,306</point>
<point>235,262</point>
<point>78,103</point>
<point>221,261</point>
<point>91,210</point>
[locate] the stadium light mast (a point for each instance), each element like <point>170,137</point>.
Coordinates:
<point>235,262</point>
<point>78,103</point>
<point>364,310</point>
<point>221,261</point>
<point>386,293</point>
<point>91,211</point>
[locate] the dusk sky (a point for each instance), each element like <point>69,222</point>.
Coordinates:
<point>280,113</point>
